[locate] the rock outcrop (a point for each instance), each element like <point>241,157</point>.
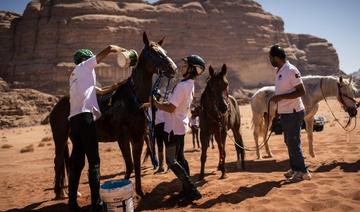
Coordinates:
<point>236,32</point>
<point>23,107</point>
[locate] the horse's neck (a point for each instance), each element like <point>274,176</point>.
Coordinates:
<point>142,83</point>
<point>327,88</point>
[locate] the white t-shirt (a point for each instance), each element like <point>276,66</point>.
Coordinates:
<point>287,78</point>
<point>181,98</point>
<point>159,116</point>
<point>82,89</point>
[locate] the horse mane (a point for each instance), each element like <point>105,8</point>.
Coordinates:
<point>353,85</point>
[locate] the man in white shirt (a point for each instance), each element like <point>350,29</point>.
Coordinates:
<point>289,89</point>
<point>176,122</point>
<point>84,111</point>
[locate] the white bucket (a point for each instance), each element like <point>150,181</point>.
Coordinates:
<point>117,195</point>
<point>127,58</point>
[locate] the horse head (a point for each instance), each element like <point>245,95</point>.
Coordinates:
<point>218,88</point>
<point>155,58</point>
<point>346,90</point>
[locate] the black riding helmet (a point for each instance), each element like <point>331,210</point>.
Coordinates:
<point>196,64</point>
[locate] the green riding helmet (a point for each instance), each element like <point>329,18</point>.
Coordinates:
<point>82,53</point>
<point>197,62</point>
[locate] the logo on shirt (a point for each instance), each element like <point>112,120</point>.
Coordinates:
<point>279,78</point>
<point>297,76</point>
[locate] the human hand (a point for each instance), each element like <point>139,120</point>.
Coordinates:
<point>114,48</point>
<point>145,105</point>
<point>275,98</point>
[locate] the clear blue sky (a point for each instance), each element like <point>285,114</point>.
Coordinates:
<point>336,20</point>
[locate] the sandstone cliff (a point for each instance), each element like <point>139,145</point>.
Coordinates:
<point>23,107</point>
<point>235,32</point>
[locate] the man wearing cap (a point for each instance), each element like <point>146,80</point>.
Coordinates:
<point>289,89</point>
<point>84,110</point>
<point>176,121</point>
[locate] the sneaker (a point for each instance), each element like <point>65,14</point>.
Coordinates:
<point>306,176</point>
<point>289,173</point>
<point>299,176</point>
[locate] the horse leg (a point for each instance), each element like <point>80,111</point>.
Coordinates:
<point>239,150</point>
<point>204,139</point>
<point>125,151</point>
<point>137,145</point>
<point>221,139</point>
<point>309,130</point>
<point>257,122</point>
<point>60,136</point>
<point>266,142</point>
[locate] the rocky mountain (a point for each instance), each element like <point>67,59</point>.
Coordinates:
<point>39,44</point>
<point>23,107</point>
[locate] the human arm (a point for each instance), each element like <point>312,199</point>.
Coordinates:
<point>298,92</point>
<point>105,52</point>
<point>165,106</point>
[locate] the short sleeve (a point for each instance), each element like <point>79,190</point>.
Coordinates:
<point>177,95</point>
<point>295,77</point>
<point>90,63</point>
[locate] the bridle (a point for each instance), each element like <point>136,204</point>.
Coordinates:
<point>340,98</point>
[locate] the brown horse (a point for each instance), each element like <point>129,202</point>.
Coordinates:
<point>122,119</point>
<point>219,113</point>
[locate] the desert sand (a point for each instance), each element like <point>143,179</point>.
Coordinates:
<point>27,173</point>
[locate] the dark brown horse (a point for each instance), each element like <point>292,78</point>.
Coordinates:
<point>122,119</point>
<point>219,113</point>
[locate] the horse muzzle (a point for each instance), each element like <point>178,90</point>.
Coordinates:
<point>352,111</point>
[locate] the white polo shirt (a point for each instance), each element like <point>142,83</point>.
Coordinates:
<point>181,98</point>
<point>82,89</point>
<point>287,78</point>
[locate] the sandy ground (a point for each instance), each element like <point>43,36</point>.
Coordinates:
<point>26,179</point>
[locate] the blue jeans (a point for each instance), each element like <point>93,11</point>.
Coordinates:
<point>291,125</point>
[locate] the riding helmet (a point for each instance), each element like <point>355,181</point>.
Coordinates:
<point>197,62</point>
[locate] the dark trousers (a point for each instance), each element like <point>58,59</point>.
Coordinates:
<point>159,138</point>
<point>291,124</point>
<point>83,136</point>
<point>195,135</point>
<point>177,162</point>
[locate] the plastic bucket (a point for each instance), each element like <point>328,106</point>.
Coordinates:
<point>127,58</point>
<point>117,195</point>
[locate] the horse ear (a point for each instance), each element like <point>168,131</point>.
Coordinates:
<point>223,70</point>
<point>211,71</point>
<point>341,79</point>
<point>161,41</point>
<point>145,39</point>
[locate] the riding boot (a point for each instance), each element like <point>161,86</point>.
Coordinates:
<point>190,192</point>
<point>161,161</point>
<point>74,179</point>
<point>94,182</point>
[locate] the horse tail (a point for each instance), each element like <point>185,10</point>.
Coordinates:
<point>60,130</point>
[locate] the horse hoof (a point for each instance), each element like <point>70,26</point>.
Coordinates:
<point>140,193</point>
<point>61,195</point>
<point>201,177</point>
<point>79,194</point>
<point>312,154</point>
<point>223,176</point>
